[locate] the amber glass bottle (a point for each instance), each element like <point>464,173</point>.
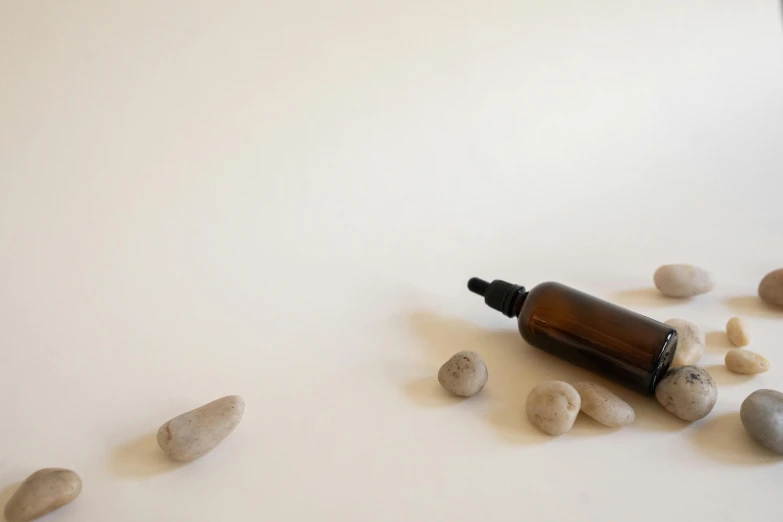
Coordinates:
<point>594,334</point>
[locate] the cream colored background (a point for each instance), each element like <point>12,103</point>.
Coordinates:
<point>285,200</point>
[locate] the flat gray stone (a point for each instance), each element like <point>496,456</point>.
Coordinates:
<point>688,392</point>
<point>762,415</point>
<point>197,432</point>
<point>683,280</point>
<point>465,374</point>
<point>552,406</point>
<point>43,492</point>
<point>604,406</point>
<point>771,288</point>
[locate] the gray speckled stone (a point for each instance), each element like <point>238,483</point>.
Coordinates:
<point>762,415</point>
<point>552,406</point>
<point>771,288</point>
<point>746,362</point>
<point>683,280</point>
<point>43,492</point>
<point>197,432</point>
<point>465,374</point>
<point>688,392</point>
<point>690,342</point>
<point>603,405</point>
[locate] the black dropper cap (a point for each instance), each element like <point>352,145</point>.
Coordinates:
<point>498,294</point>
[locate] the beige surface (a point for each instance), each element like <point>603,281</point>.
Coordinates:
<point>285,200</point>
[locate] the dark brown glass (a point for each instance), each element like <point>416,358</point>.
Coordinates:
<point>594,334</point>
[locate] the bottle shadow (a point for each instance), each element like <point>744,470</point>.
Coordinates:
<point>752,305</point>
<point>723,438</point>
<point>141,457</point>
<point>6,493</point>
<point>514,368</point>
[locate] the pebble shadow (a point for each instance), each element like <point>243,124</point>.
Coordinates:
<point>6,494</point>
<point>751,305</point>
<point>650,416</point>
<point>141,458</point>
<point>645,297</point>
<point>724,377</point>
<point>718,342</point>
<point>723,438</point>
<point>514,369</point>
<point>586,426</point>
<point>427,391</point>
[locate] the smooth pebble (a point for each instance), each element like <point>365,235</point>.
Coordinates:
<point>197,432</point>
<point>683,280</point>
<point>465,374</point>
<point>771,288</point>
<point>603,405</point>
<point>690,342</point>
<point>688,392</point>
<point>746,362</point>
<point>43,492</point>
<point>762,415</point>
<point>737,331</point>
<point>552,406</point>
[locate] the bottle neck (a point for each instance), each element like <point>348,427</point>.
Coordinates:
<point>520,302</point>
<point>499,295</point>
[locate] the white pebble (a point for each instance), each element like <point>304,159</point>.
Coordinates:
<point>465,374</point>
<point>746,362</point>
<point>688,392</point>
<point>683,280</point>
<point>771,288</point>
<point>690,342</point>
<point>43,492</point>
<point>197,432</point>
<point>604,406</point>
<point>552,406</point>
<point>737,331</point>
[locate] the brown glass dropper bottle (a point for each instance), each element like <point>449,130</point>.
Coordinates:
<point>594,334</point>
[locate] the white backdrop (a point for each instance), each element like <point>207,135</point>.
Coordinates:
<point>285,200</point>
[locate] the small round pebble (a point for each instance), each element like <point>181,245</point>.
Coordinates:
<point>771,288</point>
<point>687,392</point>
<point>683,280</point>
<point>197,432</point>
<point>603,405</point>
<point>746,362</point>
<point>737,331</point>
<point>690,342</point>
<point>552,406</point>
<point>762,415</point>
<point>43,492</point>
<point>464,374</point>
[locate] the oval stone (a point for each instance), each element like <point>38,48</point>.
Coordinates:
<point>737,331</point>
<point>771,288</point>
<point>688,392</point>
<point>683,280</point>
<point>43,492</point>
<point>552,406</point>
<point>746,362</point>
<point>197,432</point>
<point>762,415</point>
<point>690,342</point>
<point>603,405</point>
<point>465,374</point>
